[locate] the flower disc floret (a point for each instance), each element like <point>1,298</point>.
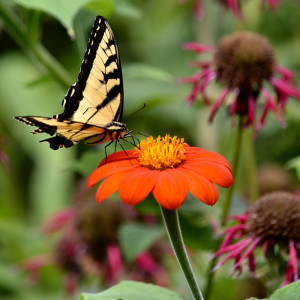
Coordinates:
<point>241,65</point>
<point>161,153</point>
<point>280,222</point>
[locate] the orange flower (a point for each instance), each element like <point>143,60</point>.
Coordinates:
<point>168,168</point>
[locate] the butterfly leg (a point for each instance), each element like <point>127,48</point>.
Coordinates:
<point>134,138</point>
<point>133,144</point>
<point>124,149</point>
<point>106,150</point>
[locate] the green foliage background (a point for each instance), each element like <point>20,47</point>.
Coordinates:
<point>150,34</point>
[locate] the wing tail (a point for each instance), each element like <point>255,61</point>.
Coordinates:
<point>58,142</point>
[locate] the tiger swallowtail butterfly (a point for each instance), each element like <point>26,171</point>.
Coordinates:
<point>93,106</point>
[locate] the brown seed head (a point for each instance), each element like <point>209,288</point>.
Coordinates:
<point>244,60</point>
<point>276,215</point>
<point>98,226</point>
<point>273,177</point>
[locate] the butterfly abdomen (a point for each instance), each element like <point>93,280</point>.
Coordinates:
<point>112,132</point>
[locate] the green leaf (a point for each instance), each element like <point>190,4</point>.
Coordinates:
<point>50,179</point>
<point>295,164</point>
<point>139,71</point>
<point>289,292</point>
<point>197,233</point>
<point>88,162</point>
<point>139,235</point>
<point>101,7</point>
<point>10,282</point>
<point>126,9</point>
<point>131,290</point>
<point>65,11</point>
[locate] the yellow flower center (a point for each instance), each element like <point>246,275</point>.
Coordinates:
<point>161,153</point>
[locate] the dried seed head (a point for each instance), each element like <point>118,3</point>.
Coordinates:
<point>67,254</point>
<point>276,215</point>
<point>273,177</point>
<point>98,226</point>
<point>244,60</point>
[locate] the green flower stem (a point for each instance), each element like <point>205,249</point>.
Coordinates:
<point>227,205</point>
<point>52,65</point>
<point>250,161</point>
<point>31,46</point>
<point>171,221</point>
<point>211,275</point>
<point>235,166</point>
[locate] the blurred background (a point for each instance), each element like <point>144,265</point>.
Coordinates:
<point>41,48</point>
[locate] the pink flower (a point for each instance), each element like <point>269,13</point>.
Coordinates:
<point>149,269</point>
<point>247,73</point>
<point>88,245</point>
<point>272,223</point>
<point>198,8</point>
<point>3,156</point>
<point>233,6</point>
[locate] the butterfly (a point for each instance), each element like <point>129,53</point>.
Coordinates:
<point>93,106</point>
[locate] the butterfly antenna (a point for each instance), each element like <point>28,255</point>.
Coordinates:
<point>143,134</point>
<point>144,105</point>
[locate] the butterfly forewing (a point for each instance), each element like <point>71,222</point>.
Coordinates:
<point>98,93</point>
<point>95,102</point>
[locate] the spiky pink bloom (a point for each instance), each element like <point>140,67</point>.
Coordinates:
<point>274,220</point>
<point>149,269</point>
<point>247,74</point>
<point>233,6</point>
<point>198,8</point>
<point>88,245</point>
<point>3,156</point>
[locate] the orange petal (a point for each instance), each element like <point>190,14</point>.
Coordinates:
<point>135,186</point>
<point>207,156</point>
<point>109,186</point>
<point>109,169</point>
<point>193,150</point>
<point>205,160</point>
<point>214,172</point>
<point>201,188</point>
<point>119,155</point>
<point>171,189</point>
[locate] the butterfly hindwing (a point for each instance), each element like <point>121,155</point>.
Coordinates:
<point>93,106</point>
<point>70,132</point>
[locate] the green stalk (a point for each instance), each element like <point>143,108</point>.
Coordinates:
<point>235,166</point>
<point>52,65</point>
<point>15,27</point>
<point>227,205</point>
<point>19,33</point>
<point>172,224</point>
<point>250,161</point>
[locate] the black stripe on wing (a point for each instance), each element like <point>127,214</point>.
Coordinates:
<point>42,126</point>
<point>74,95</point>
